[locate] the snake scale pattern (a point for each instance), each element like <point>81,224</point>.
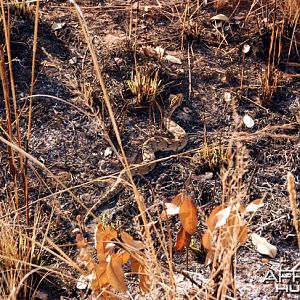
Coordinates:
<point>149,148</point>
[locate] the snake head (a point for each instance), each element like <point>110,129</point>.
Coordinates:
<point>174,102</point>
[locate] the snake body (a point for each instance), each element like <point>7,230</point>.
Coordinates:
<point>149,148</point>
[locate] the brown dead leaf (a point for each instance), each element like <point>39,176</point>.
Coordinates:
<point>222,216</point>
<point>209,257</point>
<point>255,205</point>
<point>172,208</point>
<point>136,266</point>
<point>207,240</point>
<point>115,274</point>
<point>212,220</point>
<point>128,239</point>
<point>123,257</point>
<point>183,240</point>
<point>139,269</point>
<point>81,241</point>
<point>144,283</point>
<point>100,279</point>
<point>102,239</point>
<point>188,215</point>
<point>263,246</point>
<point>243,236</point>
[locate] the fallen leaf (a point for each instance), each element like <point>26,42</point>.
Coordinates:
<point>183,240</point>
<point>248,121</point>
<point>207,240</point>
<point>255,205</point>
<point>246,48</point>
<point>209,257</point>
<point>212,220</point>
<point>56,26</point>
<point>173,59</point>
<point>220,17</point>
<point>115,274</point>
<point>263,246</point>
<point>227,96</point>
<point>222,216</point>
<point>128,239</point>
<point>243,236</point>
<point>100,278</point>
<point>160,51</point>
<point>188,215</point>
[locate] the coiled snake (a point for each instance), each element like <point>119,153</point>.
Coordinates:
<point>149,148</point>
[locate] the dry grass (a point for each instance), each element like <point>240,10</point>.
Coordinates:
<point>17,254</point>
<point>293,203</point>
<point>145,86</point>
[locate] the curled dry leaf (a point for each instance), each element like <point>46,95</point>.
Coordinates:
<point>140,269</point>
<point>100,278</point>
<point>188,215</point>
<point>209,257</point>
<point>173,59</point>
<point>207,240</point>
<point>123,257</point>
<point>183,240</point>
<point>128,239</point>
<point>222,216</point>
<point>102,238</point>
<point>220,17</point>
<point>212,220</point>
<point>115,274</point>
<point>263,246</point>
<point>172,208</point>
<point>255,205</point>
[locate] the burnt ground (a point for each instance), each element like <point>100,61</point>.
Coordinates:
<point>70,142</point>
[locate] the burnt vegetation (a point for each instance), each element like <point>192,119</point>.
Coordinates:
<point>86,85</point>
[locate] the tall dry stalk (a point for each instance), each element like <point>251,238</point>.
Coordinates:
<point>293,202</point>
<point>152,264</point>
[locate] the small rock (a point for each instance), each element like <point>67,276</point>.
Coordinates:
<point>248,121</point>
<point>73,60</point>
<point>56,26</point>
<point>108,152</point>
